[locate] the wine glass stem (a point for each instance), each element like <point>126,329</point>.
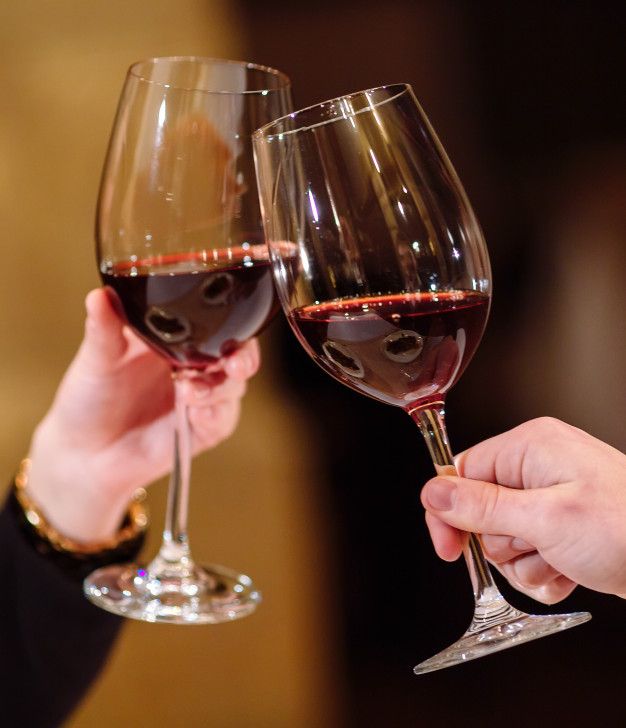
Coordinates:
<point>175,545</point>
<point>431,421</point>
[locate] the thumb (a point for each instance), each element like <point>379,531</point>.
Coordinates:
<point>104,341</point>
<point>480,507</point>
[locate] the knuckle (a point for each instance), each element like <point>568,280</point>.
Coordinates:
<point>549,423</point>
<point>546,426</point>
<point>488,506</point>
<point>558,509</point>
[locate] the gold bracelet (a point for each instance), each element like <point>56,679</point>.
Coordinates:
<point>134,524</point>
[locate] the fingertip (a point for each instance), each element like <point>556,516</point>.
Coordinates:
<point>104,337</point>
<point>93,308</point>
<point>553,591</point>
<point>447,541</point>
<point>244,363</point>
<point>439,494</point>
<point>255,354</point>
<point>557,590</point>
<point>101,303</point>
<point>93,301</point>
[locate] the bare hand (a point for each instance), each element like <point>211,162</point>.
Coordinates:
<point>550,503</point>
<point>110,427</point>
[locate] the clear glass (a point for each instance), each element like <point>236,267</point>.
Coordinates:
<point>384,276</point>
<point>180,240</point>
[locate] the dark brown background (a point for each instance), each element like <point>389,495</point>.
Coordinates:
<point>316,495</point>
<point>528,100</point>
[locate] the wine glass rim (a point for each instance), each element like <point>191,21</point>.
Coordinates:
<point>283,79</point>
<point>264,132</point>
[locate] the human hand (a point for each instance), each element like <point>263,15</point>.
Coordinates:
<point>110,428</point>
<point>555,519</point>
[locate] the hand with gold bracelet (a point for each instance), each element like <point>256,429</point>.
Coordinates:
<point>109,429</point>
<point>107,433</point>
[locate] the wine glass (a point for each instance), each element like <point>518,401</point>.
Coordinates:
<point>180,242</point>
<point>392,286</point>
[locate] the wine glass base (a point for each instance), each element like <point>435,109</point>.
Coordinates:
<point>205,596</point>
<point>476,644</point>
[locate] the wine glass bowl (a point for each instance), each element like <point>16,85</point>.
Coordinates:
<point>383,273</point>
<point>384,232</point>
<point>180,244</point>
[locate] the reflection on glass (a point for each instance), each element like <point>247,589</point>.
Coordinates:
<point>180,242</point>
<point>393,288</point>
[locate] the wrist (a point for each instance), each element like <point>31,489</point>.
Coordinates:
<point>131,529</point>
<point>62,484</point>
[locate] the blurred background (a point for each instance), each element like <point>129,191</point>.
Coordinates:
<point>316,495</point>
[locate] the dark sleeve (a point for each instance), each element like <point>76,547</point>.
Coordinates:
<point>53,642</point>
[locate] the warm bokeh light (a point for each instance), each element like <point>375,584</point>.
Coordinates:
<point>253,504</point>
<point>311,495</point>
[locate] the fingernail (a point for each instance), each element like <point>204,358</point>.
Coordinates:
<point>441,494</point>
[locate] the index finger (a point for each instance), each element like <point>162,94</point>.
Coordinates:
<point>536,454</point>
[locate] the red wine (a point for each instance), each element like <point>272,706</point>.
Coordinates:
<point>401,349</point>
<point>196,307</point>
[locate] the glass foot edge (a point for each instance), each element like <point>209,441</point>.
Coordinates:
<point>494,639</point>
<point>219,595</point>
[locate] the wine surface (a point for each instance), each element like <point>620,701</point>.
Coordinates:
<point>401,349</point>
<point>196,307</point>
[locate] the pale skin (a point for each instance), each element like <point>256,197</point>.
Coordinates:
<point>549,502</point>
<point>110,428</point>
